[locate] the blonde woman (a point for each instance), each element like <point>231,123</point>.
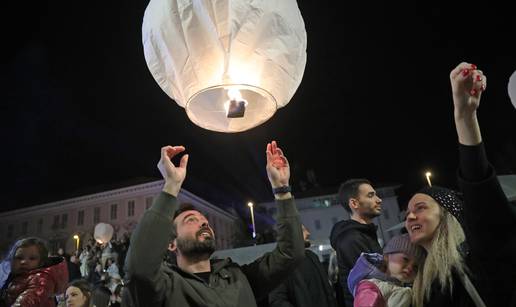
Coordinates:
<point>440,221</point>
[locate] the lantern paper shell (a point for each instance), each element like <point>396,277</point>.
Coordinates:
<point>200,51</point>
<point>512,88</point>
<point>103,232</point>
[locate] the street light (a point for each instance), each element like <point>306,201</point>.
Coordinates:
<point>77,239</point>
<point>428,175</point>
<point>250,205</point>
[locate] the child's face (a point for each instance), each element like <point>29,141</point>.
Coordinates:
<point>402,267</point>
<point>25,259</point>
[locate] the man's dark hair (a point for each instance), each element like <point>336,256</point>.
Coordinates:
<point>183,207</point>
<point>349,189</point>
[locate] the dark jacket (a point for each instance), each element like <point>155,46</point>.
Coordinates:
<point>349,239</point>
<point>154,283</point>
<point>489,223</point>
<point>307,286</point>
<point>37,287</point>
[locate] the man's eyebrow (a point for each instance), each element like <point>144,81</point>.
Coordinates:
<point>187,216</point>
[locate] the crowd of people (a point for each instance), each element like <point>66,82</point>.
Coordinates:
<point>457,251</point>
<point>34,276</point>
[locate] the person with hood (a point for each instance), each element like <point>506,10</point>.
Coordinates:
<point>196,280</point>
<point>34,279</point>
<point>384,280</point>
<point>350,238</point>
<point>307,286</point>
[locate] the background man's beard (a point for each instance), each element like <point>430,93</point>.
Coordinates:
<point>372,214</point>
<point>307,244</point>
<point>193,248</point>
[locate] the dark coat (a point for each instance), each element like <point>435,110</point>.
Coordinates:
<point>349,239</point>
<point>295,291</point>
<point>488,223</point>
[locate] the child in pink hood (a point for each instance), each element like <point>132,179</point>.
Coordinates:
<point>384,280</point>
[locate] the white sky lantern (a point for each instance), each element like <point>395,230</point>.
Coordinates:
<point>103,233</point>
<point>512,89</point>
<point>230,64</point>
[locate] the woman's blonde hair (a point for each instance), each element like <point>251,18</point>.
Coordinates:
<point>442,259</point>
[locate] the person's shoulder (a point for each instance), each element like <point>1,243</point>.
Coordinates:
<point>341,228</point>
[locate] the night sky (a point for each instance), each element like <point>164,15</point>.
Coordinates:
<point>81,112</point>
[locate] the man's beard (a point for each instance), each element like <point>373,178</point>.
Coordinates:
<point>307,244</point>
<point>372,213</point>
<point>193,248</point>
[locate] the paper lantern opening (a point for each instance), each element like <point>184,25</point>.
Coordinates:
<point>214,108</point>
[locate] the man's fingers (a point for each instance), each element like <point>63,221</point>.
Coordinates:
<point>269,155</point>
<point>171,151</point>
<point>184,161</point>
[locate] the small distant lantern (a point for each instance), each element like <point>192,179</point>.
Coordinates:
<point>230,64</point>
<point>103,233</point>
<point>512,89</point>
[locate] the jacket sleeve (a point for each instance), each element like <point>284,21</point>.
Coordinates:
<point>401,297</point>
<point>279,297</point>
<point>368,295</point>
<point>485,205</point>
<point>149,243</point>
<point>268,271</point>
<point>39,288</point>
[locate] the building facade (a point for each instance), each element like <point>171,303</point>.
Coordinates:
<point>58,222</point>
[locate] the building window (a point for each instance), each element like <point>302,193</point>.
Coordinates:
<point>96,215</point>
<point>113,211</point>
<point>317,224</point>
<point>64,221</point>
<point>55,224</point>
<point>130,208</point>
<point>40,226</point>
<point>80,218</point>
<point>24,227</point>
<point>10,231</point>
<point>148,202</point>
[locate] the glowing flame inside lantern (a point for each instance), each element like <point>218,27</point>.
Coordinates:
<point>235,106</point>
